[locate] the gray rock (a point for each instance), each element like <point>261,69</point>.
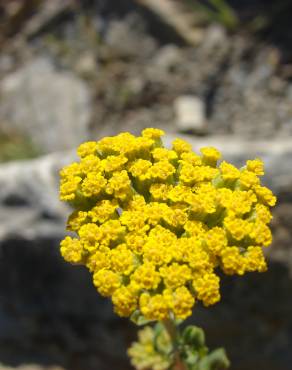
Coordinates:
<point>6,63</point>
<point>86,65</point>
<point>127,38</point>
<point>177,18</point>
<point>40,287</point>
<point>29,204</point>
<point>51,107</point>
<point>259,77</point>
<point>190,114</point>
<point>286,129</point>
<point>214,38</point>
<point>16,221</point>
<point>34,182</point>
<point>247,108</point>
<point>167,58</point>
<point>30,367</point>
<point>238,77</point>
<point>289,92</point>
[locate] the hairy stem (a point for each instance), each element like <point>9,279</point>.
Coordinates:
<point>171,328</point>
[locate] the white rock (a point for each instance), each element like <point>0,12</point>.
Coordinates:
<point>29,202</point>
<point>51,107</point>
<point>34,183</point>
<point>190,114</point>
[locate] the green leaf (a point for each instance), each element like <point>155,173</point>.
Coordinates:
<point>194,336</point>
<point>159,343</point>
<point>216,360</point>
<point>191,358</point>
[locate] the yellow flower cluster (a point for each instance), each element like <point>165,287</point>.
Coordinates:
<point>154,225</point>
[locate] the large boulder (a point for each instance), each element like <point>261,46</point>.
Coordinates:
<point>50,106</point>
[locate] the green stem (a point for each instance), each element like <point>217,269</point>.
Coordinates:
<point>173,332</point>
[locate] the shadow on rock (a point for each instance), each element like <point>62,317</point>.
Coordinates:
<point>50,313</point>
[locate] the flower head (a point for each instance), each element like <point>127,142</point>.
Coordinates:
<point>153,225</point>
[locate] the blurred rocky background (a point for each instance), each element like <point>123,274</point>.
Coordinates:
<point>217,72</point>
